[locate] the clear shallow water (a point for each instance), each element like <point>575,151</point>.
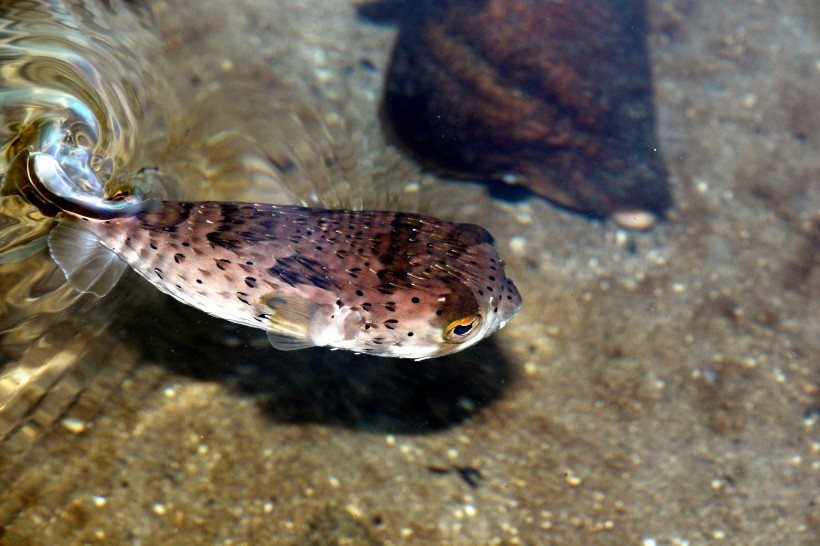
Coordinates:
<point>73,91</point>
<point>85,83</point>
<point>657,388</point>
<point>75,84</point>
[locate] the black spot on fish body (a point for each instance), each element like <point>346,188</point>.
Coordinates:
<point>321,282</point>
<point>298,269</point>
<point>219,239</point>
<point>251,236</point>
<point>228,210</point>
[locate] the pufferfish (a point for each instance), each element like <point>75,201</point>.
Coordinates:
<point>376,282</point>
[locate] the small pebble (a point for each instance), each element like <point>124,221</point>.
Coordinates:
<point>638,220</point>
<point>749,100</point>
<point>74,425</point>
<point>572,479</point>
<point>518,245</point>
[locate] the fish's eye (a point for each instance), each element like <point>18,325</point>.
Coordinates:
<point>460,329</point>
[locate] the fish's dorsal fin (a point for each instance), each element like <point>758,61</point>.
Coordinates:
<point>86,263</point>
<point>290,318</point>
<point>321,161</point>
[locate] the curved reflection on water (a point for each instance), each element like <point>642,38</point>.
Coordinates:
<point>76,82</point>
<point>80,81</point>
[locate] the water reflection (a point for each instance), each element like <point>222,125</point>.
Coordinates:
<point>78,82</point>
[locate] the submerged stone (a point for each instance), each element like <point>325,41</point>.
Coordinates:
<point>552,94</point>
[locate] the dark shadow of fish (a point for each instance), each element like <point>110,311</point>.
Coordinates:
<point>336,388</point>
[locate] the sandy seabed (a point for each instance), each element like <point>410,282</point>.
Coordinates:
<point>657,388</point>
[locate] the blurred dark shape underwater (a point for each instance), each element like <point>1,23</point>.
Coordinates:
<point>555,95</point>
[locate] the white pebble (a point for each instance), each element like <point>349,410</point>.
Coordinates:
<point>74,425</point>
<point>518,245</point>
<point>634,219</point>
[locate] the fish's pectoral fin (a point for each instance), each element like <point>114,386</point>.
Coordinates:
<point>285,342</point>
<point>290,320</point>
<point>86,263</point>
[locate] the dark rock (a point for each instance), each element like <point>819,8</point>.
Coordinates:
<point>554,94</point>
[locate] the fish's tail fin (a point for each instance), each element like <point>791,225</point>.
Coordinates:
<point>88,266</point>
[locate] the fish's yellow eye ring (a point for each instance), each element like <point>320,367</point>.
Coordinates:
<point>459,330</point>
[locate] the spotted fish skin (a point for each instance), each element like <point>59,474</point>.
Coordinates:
<point>384,283</point>
<point>377,282</point>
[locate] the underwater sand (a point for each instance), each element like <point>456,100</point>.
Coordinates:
<point>657,388</point>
